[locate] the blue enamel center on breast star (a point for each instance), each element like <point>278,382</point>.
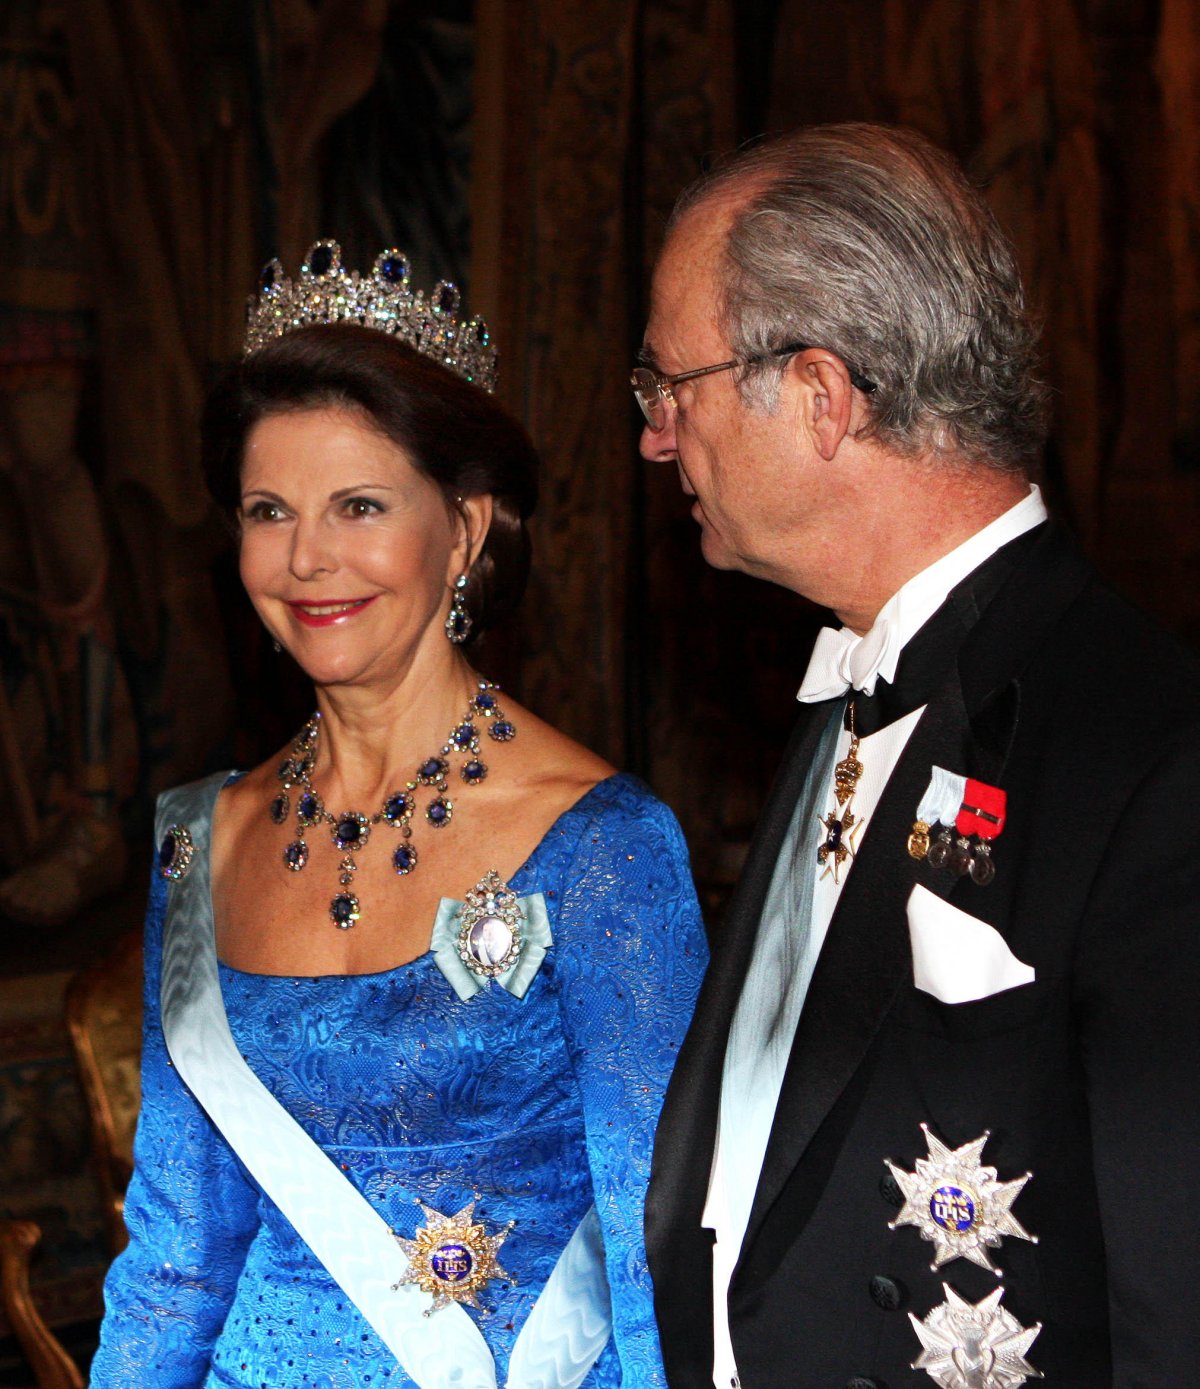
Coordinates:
<point>952,1208</point>
<point>452,1257</point>
<point>451,1262</point>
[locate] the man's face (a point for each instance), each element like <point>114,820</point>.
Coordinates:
<point>742,466</point>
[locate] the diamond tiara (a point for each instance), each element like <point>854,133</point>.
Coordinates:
<point>326,293</point>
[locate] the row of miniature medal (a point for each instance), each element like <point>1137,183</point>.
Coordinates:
<point>959,804</point>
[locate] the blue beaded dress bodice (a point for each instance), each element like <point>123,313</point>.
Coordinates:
<point>537,1107</point>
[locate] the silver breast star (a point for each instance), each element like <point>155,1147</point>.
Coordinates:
<point>980,1346</point>
<point>957,1203</point>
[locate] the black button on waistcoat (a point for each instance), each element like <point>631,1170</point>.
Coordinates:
<point>886,1293</point>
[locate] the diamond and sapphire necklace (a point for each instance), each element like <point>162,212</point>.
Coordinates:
<point>351,829</point>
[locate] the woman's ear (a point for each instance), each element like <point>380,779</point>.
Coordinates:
<point>474,519</point>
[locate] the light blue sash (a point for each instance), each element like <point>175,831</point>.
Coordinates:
<point>571,1320</point>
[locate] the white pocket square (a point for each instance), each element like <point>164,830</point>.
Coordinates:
<point>956,957</point>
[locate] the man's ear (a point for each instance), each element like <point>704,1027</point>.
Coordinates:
<point>827,397</point>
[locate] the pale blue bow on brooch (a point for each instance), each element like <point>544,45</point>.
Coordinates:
<point>535,941</point>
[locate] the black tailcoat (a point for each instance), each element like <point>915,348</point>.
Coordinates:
<point>1089,717</point>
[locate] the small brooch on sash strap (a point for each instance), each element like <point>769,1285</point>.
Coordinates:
<point>972,809</point>
<point>957,1204</point>
<point>493,934</point>
<point>452,1257</point>
<point>175,853</point>
<point>974,1346</point>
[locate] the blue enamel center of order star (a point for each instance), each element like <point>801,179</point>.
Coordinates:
<point>952,1208</point>
<point>452,1262</point>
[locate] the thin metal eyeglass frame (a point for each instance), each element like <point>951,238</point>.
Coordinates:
<point>643,379</point>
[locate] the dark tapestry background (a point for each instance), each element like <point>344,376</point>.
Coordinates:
<point>153,153</point>
<point>534,152</point>
<point>156,153</point>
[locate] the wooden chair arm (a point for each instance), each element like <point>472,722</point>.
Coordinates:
<point>51,1364</point>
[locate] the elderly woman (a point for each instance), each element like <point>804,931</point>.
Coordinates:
<point>415,985</point>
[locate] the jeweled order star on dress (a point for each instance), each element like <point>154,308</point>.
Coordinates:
<point>452,1257</point>
<point>957,1204</point>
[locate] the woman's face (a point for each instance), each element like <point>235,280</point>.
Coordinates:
<point>347,551</point>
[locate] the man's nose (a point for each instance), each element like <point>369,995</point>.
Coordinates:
<point>658,445</point>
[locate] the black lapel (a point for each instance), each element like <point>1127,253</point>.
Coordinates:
<point>687,1129</point>
<point>968,726</point>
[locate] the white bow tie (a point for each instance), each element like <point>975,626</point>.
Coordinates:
<point>841,659</point>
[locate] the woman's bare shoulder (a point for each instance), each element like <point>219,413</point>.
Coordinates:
<point>248,796</point>
<point>553,759</point>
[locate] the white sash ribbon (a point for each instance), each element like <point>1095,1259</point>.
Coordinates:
<point>570,1322</point>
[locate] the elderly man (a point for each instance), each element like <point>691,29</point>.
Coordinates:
<point>950,1029</point>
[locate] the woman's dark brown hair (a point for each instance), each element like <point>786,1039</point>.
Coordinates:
<point>455,433</point>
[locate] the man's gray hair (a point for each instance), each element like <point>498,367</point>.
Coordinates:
<point>869,241</point>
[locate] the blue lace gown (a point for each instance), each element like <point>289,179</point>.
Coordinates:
<point>537,1106</point>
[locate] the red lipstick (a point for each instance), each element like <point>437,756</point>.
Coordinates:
<point>330,612</point>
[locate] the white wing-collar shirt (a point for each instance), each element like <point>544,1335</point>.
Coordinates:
<point>841,659</point>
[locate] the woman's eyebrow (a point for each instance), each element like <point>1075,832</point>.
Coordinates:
<point>360,487</point>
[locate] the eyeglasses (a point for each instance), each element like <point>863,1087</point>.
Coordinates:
<point>653,390</point>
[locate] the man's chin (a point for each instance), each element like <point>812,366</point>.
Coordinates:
<point>716,555</point>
